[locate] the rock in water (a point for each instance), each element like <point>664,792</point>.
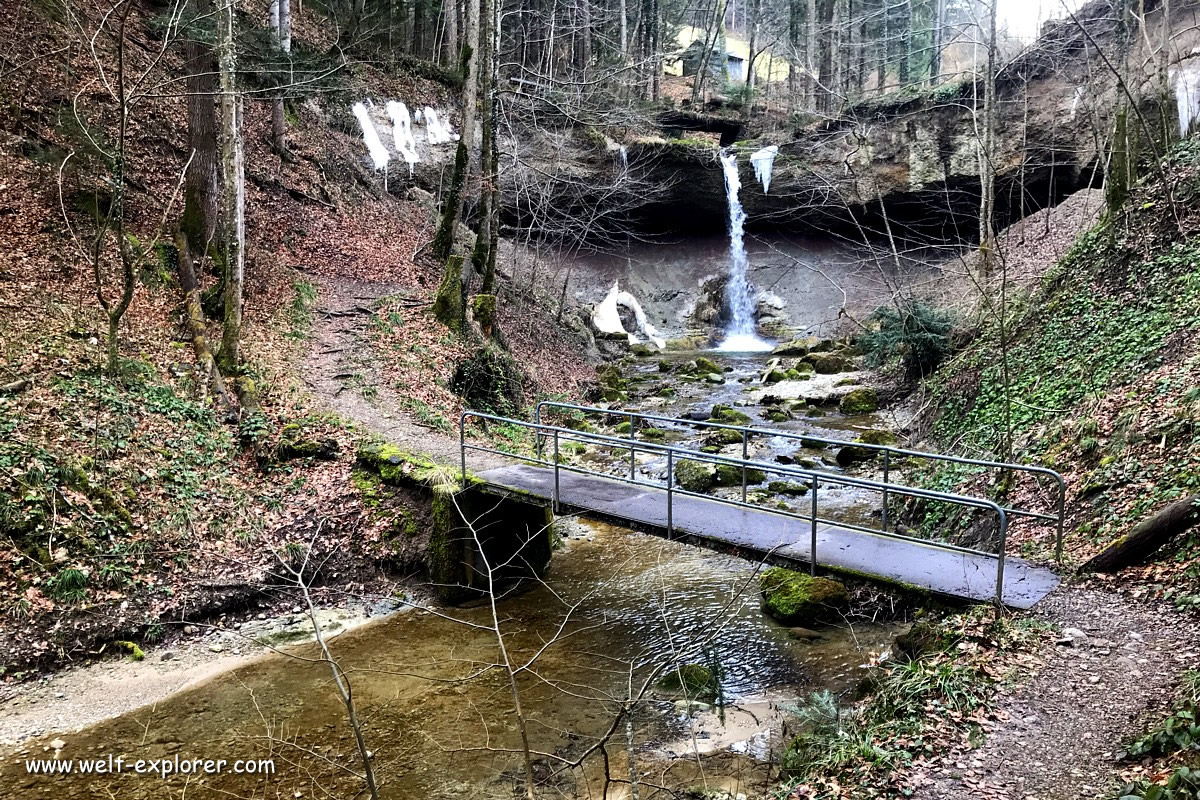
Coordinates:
<point>695,476</point>
<point>794,598</point>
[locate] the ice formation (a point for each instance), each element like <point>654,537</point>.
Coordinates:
<point>379,153</point>
<point>1187,96</point>
<point>607,319</point>
<point>763,162</point>
<point>406,145</point>
<point>436,131</point>
<point>741,336</point>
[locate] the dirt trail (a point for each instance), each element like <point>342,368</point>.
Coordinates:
<point>1063,733</point>
<point>339,366</point>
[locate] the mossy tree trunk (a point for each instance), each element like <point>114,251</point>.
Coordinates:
<point>443,241</point>
<point>448,304</point>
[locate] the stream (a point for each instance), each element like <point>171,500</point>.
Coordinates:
<point>431,709</point>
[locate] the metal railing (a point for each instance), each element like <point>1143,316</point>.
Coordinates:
<point>888,452</point>
<point>674,455</point>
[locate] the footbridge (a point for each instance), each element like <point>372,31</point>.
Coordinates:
<point>637,484</point>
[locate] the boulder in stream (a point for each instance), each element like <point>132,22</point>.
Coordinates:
<point>695,476</point>
<point>829,363</point>
<point>795,598</point>
<point>859,401</point>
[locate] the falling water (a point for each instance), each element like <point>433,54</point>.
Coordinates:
<point>624,153</point>
<point>741,336</point>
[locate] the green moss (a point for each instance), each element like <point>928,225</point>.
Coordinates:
<point>728,415</point>
<point>828,363</point>
<point>695,476</point>
<point>707,365</point>
<point>877,437</point>
<point>859,401</point>
<point>401,468</point>
<point>695,681</point>
<point>729,475</point>
<point>721,436</point>
<point>623,427</point>
<point>795,598</point>
<point>788,487</point>
<point>448,304</point>
<point>654,434</point>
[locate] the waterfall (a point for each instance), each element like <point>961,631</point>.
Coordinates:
<point>741,336</point>
<point>624,152</point>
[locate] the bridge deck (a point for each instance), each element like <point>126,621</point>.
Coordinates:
<point>948,572</point>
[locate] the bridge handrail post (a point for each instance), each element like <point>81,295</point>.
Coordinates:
<point>745,453</point>
<point>462,446</point>
<point>670,493</point>
<point>557,502</point>
<point>632,452</point>
<point>886,480</point>
<point>812,552</point>
<point>1062,502</point>
<point>1000,556</point>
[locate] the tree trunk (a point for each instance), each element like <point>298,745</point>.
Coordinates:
<point>202,190</point>
<point>234,206</point>
<point>825,77</point>
<point>1143,540</point>
<point>483,240</point>
<point>194,322</point>
<point>451,48</point>
<point>443,241</point>
<point>281,29</point>
<point>935,52</point>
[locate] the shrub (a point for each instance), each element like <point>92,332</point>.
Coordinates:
<point>917,333</point>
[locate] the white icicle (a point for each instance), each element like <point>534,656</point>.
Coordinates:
<point>437,131</point>
<point>763,162</point>
<point>1187,96</point>
<point>379,153</point>
<point>607,319</point>
<point>624,151</point>
<point>406,145</point>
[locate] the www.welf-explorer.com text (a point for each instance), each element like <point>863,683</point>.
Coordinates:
<point>162,767</point>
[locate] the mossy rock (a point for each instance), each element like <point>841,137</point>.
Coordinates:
<point>714,377</point>
<point>664,366</point>
<point>294,443</point>
<point>695,681</point>
<point>578,424</point>
<point>729,415</point>
<point>859,401</point>
<point>778,415</point>
<point>729,475</point>
<point>795,598</point>
<point>814,412</point>
<point>711,449</point>
<point>846,382</point>
<point>802,347</point>
<point>829,363</point>
<point>812,444</point>
<point>623,427</point>
<point>850,455</point>
<point>643,350</point>
<point>788,488</point>
<point>665,391</point>
<point>795,375</point>
<point>695,476</point>
<point>877,437</point>
<point>610,376</point>
<point>775,376</point>
<point>400,468</point>
<point>654,434</point>
<point>705,365</point>
<point>804,368</point>
<point>923,637</point>
<point>720,436</point>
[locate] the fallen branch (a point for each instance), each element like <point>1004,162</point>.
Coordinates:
<point>16,387</point>
<point>1147,537</point>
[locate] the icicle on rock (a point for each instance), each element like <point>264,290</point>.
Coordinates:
<point>379,153</point>
<point>607,319</point>
<point>763,162</point>
<point>624,151</point>
<point>1187,96</point>
<point>406,145</point>
<point>436,131</point>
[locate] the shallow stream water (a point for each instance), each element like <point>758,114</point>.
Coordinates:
<point>615,605</point>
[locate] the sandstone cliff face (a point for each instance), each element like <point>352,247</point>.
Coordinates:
<point>909,164</point>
